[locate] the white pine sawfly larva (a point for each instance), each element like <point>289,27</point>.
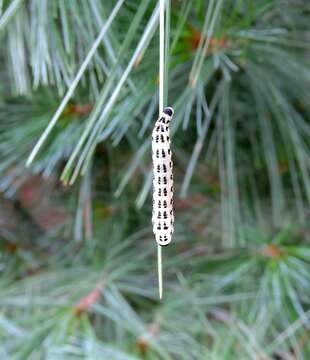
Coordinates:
<point>162,216</point>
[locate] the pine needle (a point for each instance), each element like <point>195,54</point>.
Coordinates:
<point>160,272</point>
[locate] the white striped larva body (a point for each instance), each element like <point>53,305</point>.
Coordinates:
<point>162,217</point>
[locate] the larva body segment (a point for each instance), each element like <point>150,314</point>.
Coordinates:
<point>162,216</point>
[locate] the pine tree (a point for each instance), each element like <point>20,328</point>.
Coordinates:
<point>78,99</point>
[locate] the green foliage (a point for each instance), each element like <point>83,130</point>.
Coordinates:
<point>78,96</point>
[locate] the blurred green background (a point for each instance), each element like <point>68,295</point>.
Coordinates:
<point>77,253</point>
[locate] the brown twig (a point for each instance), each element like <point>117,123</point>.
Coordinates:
<point>272,251</point>
<point>153,330</point>
<point>79,109</point>
<point>214,42</point>
<point>86,302</point>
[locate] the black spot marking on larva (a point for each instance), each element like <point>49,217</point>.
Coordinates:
<point>169,151</point>
<point>165,226</point>
<point>157,153</point>
<point>171,189</point>
<point>164,168</point>
<point>171,201</point>
<point>167,128</point>
<point>165,204</point>
<point>170,164</point>
<point>171,177</point>
<point>157,138</point>
<point>159,204</point>
<point>171,212</point>
<point>158,227</point>
<point>165,180</point>
<point>165,192</point>
<point>159,192</point>
<point>165,215</point>
<point>158,168</point>
<point>162,138</point>
<point>159,181</point>
<point>163,154</point>
<point>168,138</point>
<point>159,215</point>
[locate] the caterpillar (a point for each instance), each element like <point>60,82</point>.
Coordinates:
<point>162,215</point>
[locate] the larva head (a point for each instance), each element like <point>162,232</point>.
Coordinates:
<point>168,111</point>
<point>166,115</point>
